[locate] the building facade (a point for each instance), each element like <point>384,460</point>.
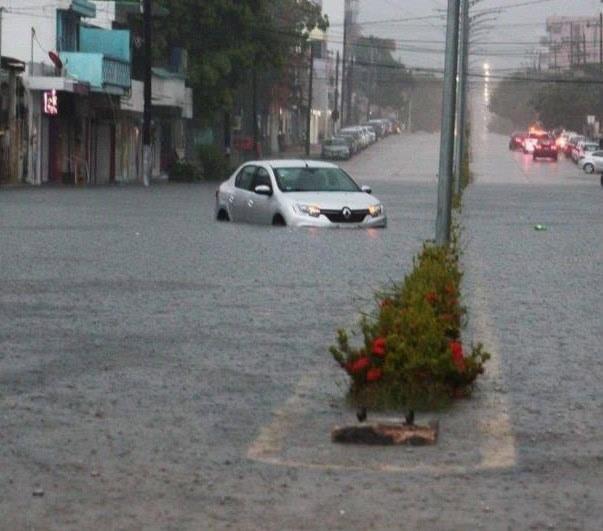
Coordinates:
<point>78,101</point>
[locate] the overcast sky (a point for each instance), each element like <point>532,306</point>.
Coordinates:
<point>515,31</point>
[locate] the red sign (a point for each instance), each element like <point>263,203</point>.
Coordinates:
<point>51,103</point>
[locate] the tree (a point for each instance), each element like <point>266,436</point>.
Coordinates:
<point>382,79</point>
<point>566,104</point>
<point>225,39</point>
<point>513,100</point>
<point>556,99</point>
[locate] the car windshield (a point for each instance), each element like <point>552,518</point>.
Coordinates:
<point>339,142</point>
<point>314,180</point>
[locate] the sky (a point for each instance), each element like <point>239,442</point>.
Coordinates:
<point>514,32</point>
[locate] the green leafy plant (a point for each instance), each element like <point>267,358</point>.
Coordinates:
<point>184,172</point>
<point>412,355</point>
<point>214,163</point>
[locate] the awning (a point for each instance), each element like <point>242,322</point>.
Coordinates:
<point>9,63</point>
<point>60,84</point>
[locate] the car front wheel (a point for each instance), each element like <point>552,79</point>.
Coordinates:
<point>589,168</point>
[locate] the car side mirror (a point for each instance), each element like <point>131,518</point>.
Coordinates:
<point>263,189</point>
<point>367,189</point>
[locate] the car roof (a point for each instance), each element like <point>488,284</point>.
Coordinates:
<point>295,163</point>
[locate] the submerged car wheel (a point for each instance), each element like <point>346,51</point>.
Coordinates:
<point>279,221</point>
<point>589,168</point>
<point>223,215</point>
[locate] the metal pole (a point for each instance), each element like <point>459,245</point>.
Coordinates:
<point>254,112</point>
<point>443,219</point>
<point>601,40</point>
<point>461,97</point>
<point>336,106</point>
<point>1,9</point>
<point>348,114</point>
<point>371,74</point>
<point>148,94</point>
<point>345,59</point>
<point>310,88</point>
<point>31,51</point>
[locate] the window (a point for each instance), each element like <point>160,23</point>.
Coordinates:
<point>314,180</point>
<point>245,177</point>
<point>598,154</point>
<point>261,178</point>
<point>68,26</point>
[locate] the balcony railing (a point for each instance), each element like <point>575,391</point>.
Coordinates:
<point>100,71</point>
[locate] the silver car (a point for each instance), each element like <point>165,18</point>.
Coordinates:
<point>591,162</point>
<point>297,193</point>
<point>336,148</point>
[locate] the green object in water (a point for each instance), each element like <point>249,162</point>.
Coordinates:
<point>539,227</point>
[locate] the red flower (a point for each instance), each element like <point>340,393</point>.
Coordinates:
<point>456,349</point>
<point>386,303</point>
<point>359,365</point>
<point>379,347</point>
<point>374,375</point>
<point>431,297</point>
<point>450,289</point>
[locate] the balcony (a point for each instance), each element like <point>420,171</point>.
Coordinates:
<point>103,60</point>
<point>103,73</point>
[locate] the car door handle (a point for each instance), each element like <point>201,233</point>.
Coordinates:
<point>250,202</point>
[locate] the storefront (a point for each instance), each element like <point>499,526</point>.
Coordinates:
<point>13,122</point>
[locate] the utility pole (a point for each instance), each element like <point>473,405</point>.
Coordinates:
<point>348,113</point>
<point>371,82</point>
<point>601,40</point>
<point>1,9</point>
<point>461,101</point>
<point>335,113</point>
<point>254,112</point>
<point>148,94</point>
<point>444,214</point>
<point>310,89</point>
<point>344,63</point>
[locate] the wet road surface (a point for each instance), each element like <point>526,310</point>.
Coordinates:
<point>162,370</point>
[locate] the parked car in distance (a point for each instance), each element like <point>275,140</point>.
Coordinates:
<point>583,147</point>
<point>516,140</point>
<point>297,193</point>
<point>572,141</point>
<point>352,139</point>
<point>371,133</point>
<point>361,140</point>
<point>591,162</point>
<point>379,127</point>
<point>336,148</point>
<point>545,147</point>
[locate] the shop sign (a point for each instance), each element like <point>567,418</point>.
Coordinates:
<point>51,103</point>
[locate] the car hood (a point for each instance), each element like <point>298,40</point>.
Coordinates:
<point>333,200</point>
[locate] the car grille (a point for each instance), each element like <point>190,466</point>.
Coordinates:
<point>336,216</point>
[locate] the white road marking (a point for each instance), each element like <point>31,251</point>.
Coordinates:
<point>497,443</point>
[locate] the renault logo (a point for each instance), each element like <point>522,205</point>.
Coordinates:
<point>346,212</point>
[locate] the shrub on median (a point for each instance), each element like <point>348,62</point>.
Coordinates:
<point>412,353</point>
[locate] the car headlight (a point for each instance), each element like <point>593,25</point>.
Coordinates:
<point>375,210</point>
<point>309,210</point>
